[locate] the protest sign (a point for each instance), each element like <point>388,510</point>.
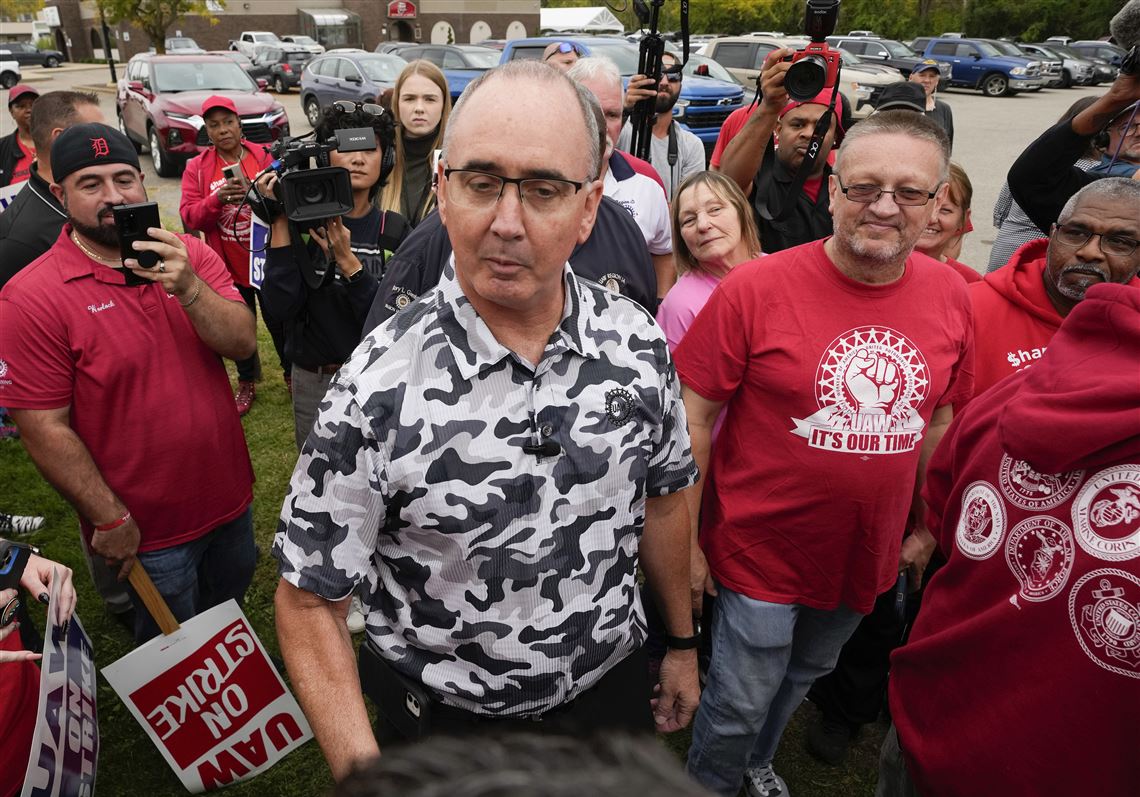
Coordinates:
<point>65,747</point>
<point>210,700</point>
<point>8,193</point>
<point>258,238</point>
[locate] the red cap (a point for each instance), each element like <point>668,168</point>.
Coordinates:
<point>824,99</point>
<point>19,91</point>
<point>218,101</point>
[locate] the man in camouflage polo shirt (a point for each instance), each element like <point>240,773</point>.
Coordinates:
<point>495,462</point>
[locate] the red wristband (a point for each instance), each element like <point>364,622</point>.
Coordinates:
<point>114,524</point>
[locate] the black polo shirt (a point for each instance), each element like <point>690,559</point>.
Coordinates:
<point>807,221</point>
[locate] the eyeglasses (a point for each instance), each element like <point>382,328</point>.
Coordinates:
<point>869,194</point>
<point>672,73</point>
<point>1127,129</point>
<point>1113,245</point>
<point>481,190</point>
<point>351,106</point>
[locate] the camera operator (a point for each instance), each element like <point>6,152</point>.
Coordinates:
<point>323,325</point>
<point>765,171</point>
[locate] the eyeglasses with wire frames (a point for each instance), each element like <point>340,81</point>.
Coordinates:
<point>867,194</point>
<point>481,190</point>
<point>351,106</point>
<point>1110,243</point>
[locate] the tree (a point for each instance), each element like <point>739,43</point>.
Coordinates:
<point>13,9</point>
<point>154,17</point>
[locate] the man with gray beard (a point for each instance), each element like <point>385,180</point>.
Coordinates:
<point>842,359</point>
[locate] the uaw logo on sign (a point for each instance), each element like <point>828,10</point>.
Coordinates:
<point>1028,489</point>
<point>1040,553</point>
<point>982,521</point>
<point>870,385</point>
<point>1106,514</point>
<point>1104,608</point>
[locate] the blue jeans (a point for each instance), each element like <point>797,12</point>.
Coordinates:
<point>199,574</point>
<point>764,659</point>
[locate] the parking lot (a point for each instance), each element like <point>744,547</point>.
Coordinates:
<point>989,135</point>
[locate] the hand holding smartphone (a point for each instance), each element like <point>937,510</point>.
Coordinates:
<point>133,222</point>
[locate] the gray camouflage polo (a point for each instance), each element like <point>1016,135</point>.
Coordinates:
<point>503,581</point>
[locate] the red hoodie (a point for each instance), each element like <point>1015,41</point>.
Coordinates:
<point>1022,674</point>
<point>1013,317</point>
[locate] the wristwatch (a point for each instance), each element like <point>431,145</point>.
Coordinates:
<point>682,642</point>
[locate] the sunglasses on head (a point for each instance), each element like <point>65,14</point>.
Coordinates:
<point>565,47</point>
<point>350,106</point>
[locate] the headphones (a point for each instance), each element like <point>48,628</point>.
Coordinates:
<point>389,161</point>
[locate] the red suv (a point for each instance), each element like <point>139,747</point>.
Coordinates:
<point>160,99</point>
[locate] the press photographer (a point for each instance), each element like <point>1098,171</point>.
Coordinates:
<point>320,289</point>
<point>767,157</point>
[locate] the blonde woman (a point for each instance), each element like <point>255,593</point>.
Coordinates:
<point>421,104</point>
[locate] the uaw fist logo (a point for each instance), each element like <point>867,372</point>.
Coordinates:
<point>1106,514</point>
<point>981,523</point>
<point>870,385</point>
<point>100,148</point>
<point>1104,609</point>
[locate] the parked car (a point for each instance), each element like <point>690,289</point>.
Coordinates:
<point>461,63</point>
<point>1098,49</point>
<point>159,103</point>
<point>884,51</point>
<point>1048,68</point>
<point>280,66</point>
<point>860,84</point>
<point>183,45</point>
<point>30,55</point>
<point>346,75</point>
<point>703,66</point>
<point>1078,71</point>
<point>393,48</point>
<point>9,71</point>
<point>704,103</point>
<point>241,59</point>
<point>1102,70</point>
<point>977,64</point>
<point>306,42</point>
<point>250,40</point>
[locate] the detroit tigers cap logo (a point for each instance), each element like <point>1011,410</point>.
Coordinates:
<point>100,148</point>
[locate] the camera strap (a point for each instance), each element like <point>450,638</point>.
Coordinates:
<point>807,166</point>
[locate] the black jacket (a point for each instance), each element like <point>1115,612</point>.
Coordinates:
<point>9,156</point>
<point>807,221</point>
<point>614,255</point>
<point>29,227</point>
<point>1045,175</point>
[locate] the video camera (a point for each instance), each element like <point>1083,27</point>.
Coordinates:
<point>816,67</point>
<point>308,196</point>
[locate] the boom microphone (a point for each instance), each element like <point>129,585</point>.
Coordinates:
<point>1125,26</point>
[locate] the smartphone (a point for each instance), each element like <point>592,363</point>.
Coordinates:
<point>233,172</point>
<point>403,703</point>
<point>133,222</point>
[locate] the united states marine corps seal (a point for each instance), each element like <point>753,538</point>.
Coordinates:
<point>981,524</point>
<point>1104,608</point>
<point>619,405</point>
<point>1106,514</point>
<point>1028,489</point>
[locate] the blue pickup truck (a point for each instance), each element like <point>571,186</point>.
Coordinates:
<point>704,103</point>
<point>977,64</point>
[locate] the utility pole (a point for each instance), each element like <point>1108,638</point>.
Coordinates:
<point>107,44</point>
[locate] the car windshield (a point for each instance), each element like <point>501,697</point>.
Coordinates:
<point>1049,52</point>
<point>1007,48</point>
<point>177,43</point>
<point>987,49</point>
<point>302,40</point>
<point>624,55</point>
<point>201,76</point>
<point>898,49</point>
<point>265,37</point>
<point>482,59</point>
<point>712,69</point>
<point>1060,49</point>
<point>297,58</point>
<point>382,70</point>
<point>848,58</point>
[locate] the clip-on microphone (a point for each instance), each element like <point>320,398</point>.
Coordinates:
<point>547,448</point>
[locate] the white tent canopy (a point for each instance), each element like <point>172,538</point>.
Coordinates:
<point>597,19</point>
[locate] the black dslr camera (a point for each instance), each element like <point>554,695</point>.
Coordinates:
<point>816,67</point>
<point>309,196</point>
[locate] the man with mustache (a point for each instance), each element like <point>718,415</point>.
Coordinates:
<point>112,373</point>
<point>1017,309</point>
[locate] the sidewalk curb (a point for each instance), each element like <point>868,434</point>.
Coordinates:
<point>99,88</point>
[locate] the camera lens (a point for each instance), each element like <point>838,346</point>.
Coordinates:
<point>313,192</point>
<point>806,78</point>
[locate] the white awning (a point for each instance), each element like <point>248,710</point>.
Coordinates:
<point>596,19</point>
<point>330,16</point>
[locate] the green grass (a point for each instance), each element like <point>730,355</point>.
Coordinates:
<point>129,764</point>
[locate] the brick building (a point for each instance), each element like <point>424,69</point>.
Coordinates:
<point>335,23</point>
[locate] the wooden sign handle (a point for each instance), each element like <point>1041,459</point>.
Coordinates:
<point>152,599</point>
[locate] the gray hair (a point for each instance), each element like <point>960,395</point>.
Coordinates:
<point>594,67</point>
<point>906,123</point>
<point>535,72</point>
<point>1115,189</point>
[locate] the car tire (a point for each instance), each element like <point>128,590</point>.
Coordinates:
<point>313,111</point>
<point>1066,79</point>
<point>51,62</point>
<point>995,85</point>
<point>123,130</point>
<point>279,85</point>
<point>163,165</point>
<point>8,80</point>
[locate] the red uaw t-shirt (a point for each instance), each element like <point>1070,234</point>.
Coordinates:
<point>235,219</point>
<point>830,385</point>
<point>23,168</point>
<point>148,398</point>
